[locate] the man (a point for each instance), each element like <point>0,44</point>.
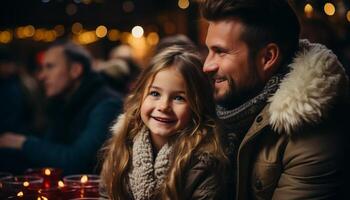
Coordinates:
<point>277,98</point>
<point>81,109</point>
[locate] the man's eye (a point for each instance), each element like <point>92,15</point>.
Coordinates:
<point>154,93</point>
<point>221,53</point>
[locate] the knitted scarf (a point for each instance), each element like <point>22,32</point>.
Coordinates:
<point>147,174</point>
<point>237,121</point>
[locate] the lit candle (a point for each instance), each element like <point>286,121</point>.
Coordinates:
<point>50,175</point>
<point>81,186</point>
<point>19,186</point>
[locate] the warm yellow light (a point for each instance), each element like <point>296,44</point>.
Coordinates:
<point>5,37</point>
<point>49,36</point>
<point>329,9</point>
<point>84,179</point>
<point>348,16</point>
<point>42,198</point>
<point>39,34</point>
<point>25,183</point>
<point>20,32</point>
<point>137,31</point>
<point>28,31</point>
<point>20,194</point>
<point>308,9</point>
<point>87,37</point>
<point>113,35</point>
<point>101,31</point>
<point>60,184</point>
<point>47,172</point>
<point>59,30</point>
<point>183,4</point>
<point>77,28</point>
<point>139,47</point>
<point>153,38</point>
<point>125,37</point>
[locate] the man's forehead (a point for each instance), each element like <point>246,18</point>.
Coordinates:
<point>53,52</point>
<point>221,32</point>
<point>55,49</point>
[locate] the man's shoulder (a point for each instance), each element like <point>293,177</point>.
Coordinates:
<point>104,95</point>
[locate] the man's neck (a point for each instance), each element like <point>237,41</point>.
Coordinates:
<point>69,94</point>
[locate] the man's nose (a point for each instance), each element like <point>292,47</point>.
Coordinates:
<point>41,75</point>
<point>210,66</point>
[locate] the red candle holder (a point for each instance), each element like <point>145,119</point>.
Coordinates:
<point>51,176</point>
<point>20,186</point>
<point>81,186</point>
<point>3,175</point>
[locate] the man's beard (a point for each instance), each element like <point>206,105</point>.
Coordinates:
<point>231,98</point>
<point>235,97</point>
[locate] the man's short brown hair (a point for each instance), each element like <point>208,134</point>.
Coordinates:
<point>265,21</point>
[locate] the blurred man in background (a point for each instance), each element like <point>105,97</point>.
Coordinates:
<point>80,111</point>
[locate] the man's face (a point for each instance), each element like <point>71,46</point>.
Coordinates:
<point>55,73</point>
<point>233,74</point>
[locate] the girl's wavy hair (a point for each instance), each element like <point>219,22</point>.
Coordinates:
<point>200,136</point>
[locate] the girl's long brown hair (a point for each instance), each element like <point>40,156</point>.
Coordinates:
<point>200,136</point>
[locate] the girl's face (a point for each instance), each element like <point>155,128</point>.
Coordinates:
<point>165,108</point>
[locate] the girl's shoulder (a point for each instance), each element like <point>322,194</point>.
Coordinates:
<point>204,177</point>
<point>204,160</point>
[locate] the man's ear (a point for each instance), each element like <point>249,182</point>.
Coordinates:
<point>269,60</point>
<point>76,70</point>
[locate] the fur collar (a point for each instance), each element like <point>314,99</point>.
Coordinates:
<point>316,81</point>
<point>118,124</point>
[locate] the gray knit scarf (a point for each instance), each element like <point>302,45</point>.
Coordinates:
<point>147,174</point>
<point>237,121</point>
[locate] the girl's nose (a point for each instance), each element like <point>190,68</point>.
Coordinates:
<point>163,105</point>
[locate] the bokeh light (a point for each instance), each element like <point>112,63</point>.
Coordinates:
<point>137,31</point>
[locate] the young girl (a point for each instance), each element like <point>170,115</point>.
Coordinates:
<point>166,144</point>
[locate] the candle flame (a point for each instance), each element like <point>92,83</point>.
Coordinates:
<point>60,184</point>
<point>47,172</point>
<point>20,194</point>
<point>42,198</point>
<point>25,183</point>
<point>84,179</point>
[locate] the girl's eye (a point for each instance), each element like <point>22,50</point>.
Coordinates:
<point>154,93</point>
<point>179,98</point>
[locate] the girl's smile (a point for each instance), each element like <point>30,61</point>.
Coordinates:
<point>165,109</point>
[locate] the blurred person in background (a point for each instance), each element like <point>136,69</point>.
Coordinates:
<point>19,105</point>
<point>179,39</point>
<point>80,109</point>
<point>119,73</point>
<point>19,97</point>
<point>121,69</point>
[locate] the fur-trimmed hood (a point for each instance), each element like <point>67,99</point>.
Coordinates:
<point>316,81</point>
<point>118,124</point>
